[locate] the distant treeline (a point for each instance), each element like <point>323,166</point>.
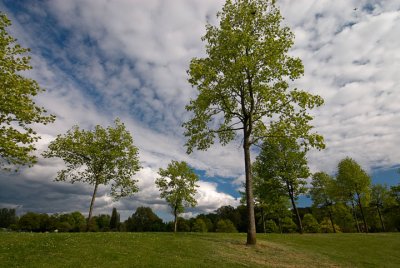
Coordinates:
<point>225,219</point>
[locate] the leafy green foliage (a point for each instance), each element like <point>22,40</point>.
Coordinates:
<point>271,227</point>
<point>199,226</point>
<point>288,225</point>
<point>98,157</point>
<point>281,166</point>
<point>18,110</point>
<point>325,226</point>
<point>177,184</point>
<point>322,190</point>
<point>243,79</point>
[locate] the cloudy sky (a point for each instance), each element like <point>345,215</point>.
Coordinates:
<point>100,59</point>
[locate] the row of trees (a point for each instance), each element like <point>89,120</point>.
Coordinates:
<point>335,217</point>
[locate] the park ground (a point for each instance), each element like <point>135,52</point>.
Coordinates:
<point>198,250</point>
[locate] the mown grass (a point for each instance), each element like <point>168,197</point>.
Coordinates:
<point>197,250</point>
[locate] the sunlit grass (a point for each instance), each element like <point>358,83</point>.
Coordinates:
<point>197,250</point>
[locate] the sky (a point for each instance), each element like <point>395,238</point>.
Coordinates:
<point>100,59</point>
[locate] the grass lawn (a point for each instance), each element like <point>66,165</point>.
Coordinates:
<point>198,250</point>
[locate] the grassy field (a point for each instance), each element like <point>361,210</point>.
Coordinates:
<point>198,250</point>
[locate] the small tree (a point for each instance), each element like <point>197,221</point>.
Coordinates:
<point>177,184</point>
<point>98,157</point>
<point>354,182</point>
<point>17,107</point>
<point>243,86</point>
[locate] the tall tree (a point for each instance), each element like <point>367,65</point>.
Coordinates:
<point>7,217</point>
<point>322,193</point>
<point>282,160</point>
<point>354,182</point>
<point>115,220</point>
<point>243,86</point>
<point>177,184</point>
<point>18,110</point>
<point>98,157</point>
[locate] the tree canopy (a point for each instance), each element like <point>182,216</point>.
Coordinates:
<point>177,184</point>
<point>98,157</point>
<point>243,85</point>
<point>18,110</point>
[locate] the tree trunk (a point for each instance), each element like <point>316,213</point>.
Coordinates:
<point>291,195</point>
<point>381,219</point>
<point>91,206</point>
<point>331,219</point>
<point>251,225</point>
<point>280,225</point>
<point>362,213</point>
<point>175,220</point>
<point>263,220</point>
<point>355,216</point>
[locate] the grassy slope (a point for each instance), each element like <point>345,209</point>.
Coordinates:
<point>197,250</point>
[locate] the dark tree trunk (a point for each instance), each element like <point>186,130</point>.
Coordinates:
<point>175,220</point>
<point>280,225</point>
<point>355,216</point>
<point>251,225</point>
<point>331,219</point>
<point>291,195</point>
<point>91,206</point>
<point>362,213</point>
<point>381,219</point>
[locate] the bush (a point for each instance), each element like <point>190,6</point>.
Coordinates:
<point>326,226</point>
<point>310,224</point>
<point>271,227</point>
<point>288,225</point>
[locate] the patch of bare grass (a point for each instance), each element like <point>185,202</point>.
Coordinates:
<point>269,254</point>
